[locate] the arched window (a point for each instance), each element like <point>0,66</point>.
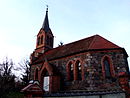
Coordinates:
<point>42,39</point>
<point>107,68</point>
<point>51,41</point>
<point>70,70</point>
<point>36,74</point>
<point>38,41</point>
<point>78,70</point>
<point>48,40</point>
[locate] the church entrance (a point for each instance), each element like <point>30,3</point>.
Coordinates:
<point>46,83</point>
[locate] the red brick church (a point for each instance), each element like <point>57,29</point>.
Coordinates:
<point>92,67</point>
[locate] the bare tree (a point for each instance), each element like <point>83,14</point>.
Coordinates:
<point>6,67</point>
<point>7,79</point>
<point>25,67</point>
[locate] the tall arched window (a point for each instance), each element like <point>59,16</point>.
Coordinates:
<point>51,42</point>
<point>38,41</point>
<point>42,39</point>
<point>48,40</point>
<point>107,68</point>
<point>36,74</point>
<point>78,70</point>
<point>70,70</point>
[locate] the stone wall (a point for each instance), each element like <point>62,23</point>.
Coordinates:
<point>92,69</point>
<point>119,95</point>
<point>92,75</point>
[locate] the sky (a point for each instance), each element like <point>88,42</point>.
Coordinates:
<point>70,20</point>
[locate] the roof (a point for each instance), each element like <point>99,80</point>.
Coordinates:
<point>35,88</point>
<point>86,44</point>
<point>101,43</point>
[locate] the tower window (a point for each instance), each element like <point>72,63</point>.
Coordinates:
<point>47,40</point>
<point>38,41</point>
<point>51,42</point>
<point>42,39</point>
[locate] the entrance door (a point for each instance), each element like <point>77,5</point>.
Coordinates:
<point>46,83</point>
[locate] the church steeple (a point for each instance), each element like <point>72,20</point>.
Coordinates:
<point>44,37</point>
<point>45,25</point>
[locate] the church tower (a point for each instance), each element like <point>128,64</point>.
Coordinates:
<point>44,37</point>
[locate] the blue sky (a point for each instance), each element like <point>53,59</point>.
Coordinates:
<point>70,20</point>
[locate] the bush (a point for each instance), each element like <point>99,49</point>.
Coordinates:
<point>15,95</point>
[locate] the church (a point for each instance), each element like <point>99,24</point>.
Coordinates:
<point>92,67</point>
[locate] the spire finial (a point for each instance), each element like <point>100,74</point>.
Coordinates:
<point>46,8</point>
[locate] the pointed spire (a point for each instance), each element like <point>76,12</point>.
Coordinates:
<point>45,25</point>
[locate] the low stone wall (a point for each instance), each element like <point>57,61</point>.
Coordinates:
<point>119,95</point>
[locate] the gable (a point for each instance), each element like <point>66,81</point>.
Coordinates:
<point>35,88</point>
<point>102,43</point>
